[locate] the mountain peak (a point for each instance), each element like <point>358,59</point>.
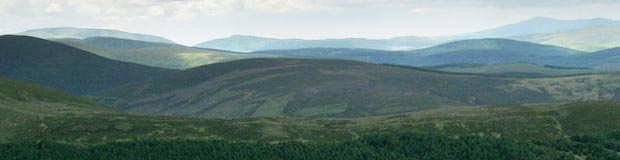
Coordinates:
<point>541,19</point>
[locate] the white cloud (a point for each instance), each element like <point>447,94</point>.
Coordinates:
<point>156,11</point>
<point>4,5</point>
<point>54,7</point>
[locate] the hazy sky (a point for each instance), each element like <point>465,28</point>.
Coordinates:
<point>193,21</point>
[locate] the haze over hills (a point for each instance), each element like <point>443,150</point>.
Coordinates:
<point>537,25</point>
<point>82,33</point>
<point>252,43</point>
<point>586,39</point>
<point>336,88</point>
<point>66,68</point>
<point>483,51</point>
<point>163,55</point>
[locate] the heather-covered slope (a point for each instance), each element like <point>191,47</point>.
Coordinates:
<point>337,88</point>
<point>66,68</point>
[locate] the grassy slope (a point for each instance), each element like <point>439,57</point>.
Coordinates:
<point>291,87</point>
<point>336,88</point>
<point>586,39</point>
<point>30,112</point>
<point>66,68</point>
<point>513,69</point>
<point>153,54</point>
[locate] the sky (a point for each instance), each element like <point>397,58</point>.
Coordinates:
<point>193,21</point>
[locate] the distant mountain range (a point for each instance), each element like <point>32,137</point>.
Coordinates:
<point>163,55</point>
<point>538,25</point>
<point>480,51</point>
<point>82,33</point>
<point>66,68</point>
<point>252,43</point>
<point>585,39</point>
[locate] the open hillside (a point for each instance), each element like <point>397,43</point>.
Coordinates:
<point>587,39</point>
<point>40,122</point>
<point>50,115</point>
<point>32,112</point>
<point>513,69</point>
<point>251,43</point>
<point>571,131</point>
<point>82,33</point>
<point>154,54</point>
<point>337,88</point>
<point>66,68</point>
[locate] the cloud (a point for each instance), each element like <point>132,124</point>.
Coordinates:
<point>54,7</point>
<point>183,20</point>
<point>4,5</point>
<point>156,11</point>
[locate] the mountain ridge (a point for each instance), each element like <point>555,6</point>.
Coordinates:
<point>66,68</point>
<point>82,33</point>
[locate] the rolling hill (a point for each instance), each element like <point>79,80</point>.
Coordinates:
<point>252,43</point>
<point>82,33</point>
<point>66,68</point>
<point>483,51</point>
<point>32,112</point>
<point>154,54</point>
<point>488,51</point>
<point>40,122</point>
<point>537,25</point>
<point>337,88</point>
<point>587,39</point>
<point>513,69</point>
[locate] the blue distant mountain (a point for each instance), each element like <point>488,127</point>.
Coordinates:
<point>538,25</point>
<point>252,43</point>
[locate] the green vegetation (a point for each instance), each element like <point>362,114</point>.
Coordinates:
<point>338,88</point>
<point>383,146</point>
<point>42,123</point>
<point>50,115</point>
<point>526,70</point>
<point>587,39</point>
<point>66,68</point>
<point>154,54</point>
<point>82,33</point>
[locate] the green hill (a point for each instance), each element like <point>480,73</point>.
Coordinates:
<point>587,39</point>
<point>483,51</point>
<point>66,68</point>
<point>82,33</point>
<point>39,113</point>
<point>154,54</point>
<point>40,122</point>
<point>514,69</point>
<point>337,88</point>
